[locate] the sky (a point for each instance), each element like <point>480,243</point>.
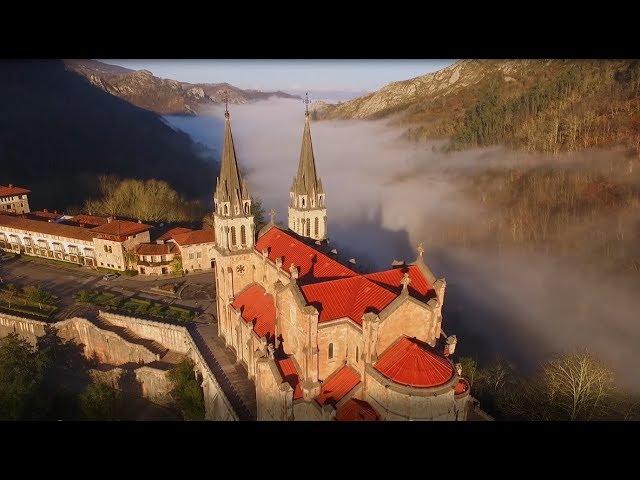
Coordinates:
<point>290,75</point>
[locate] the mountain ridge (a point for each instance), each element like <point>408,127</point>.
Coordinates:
<point>161,95</point>
<point>60,133</point>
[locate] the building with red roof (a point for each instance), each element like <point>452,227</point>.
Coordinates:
<point>320,339</point>
<point>14,199</point>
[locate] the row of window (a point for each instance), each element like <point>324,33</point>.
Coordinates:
<point>306,227</point>
<point>58,247</point>
<point>234,240</point>
<point>197,255</point>
<point>302,201</point>
<point>224,209</point>
<point>10,199</point>
<point>10,206</point>
<point>110,265</point>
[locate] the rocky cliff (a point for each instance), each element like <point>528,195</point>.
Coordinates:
<point>163,96</point>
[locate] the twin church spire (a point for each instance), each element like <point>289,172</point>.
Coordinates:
<point>233,219</point>
<point>307,212</point>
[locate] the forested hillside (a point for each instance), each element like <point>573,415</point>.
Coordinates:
<point>536,105</point>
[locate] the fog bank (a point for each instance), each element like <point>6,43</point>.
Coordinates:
<point>384,196</point>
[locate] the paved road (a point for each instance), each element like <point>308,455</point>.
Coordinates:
<point>64,281</point>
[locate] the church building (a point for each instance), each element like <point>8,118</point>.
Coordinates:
<point>320,340</point>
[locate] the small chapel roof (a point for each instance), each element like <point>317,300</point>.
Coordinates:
<point>408,361</point>
<point>355,409</point>
<point>338,385</point>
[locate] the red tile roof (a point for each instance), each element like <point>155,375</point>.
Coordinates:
<point>461,387</point>
<point>290,375</point>
<point>120,228</point>
<point>411,362</point>
<point>338,385</point>
<point>156,248</point>
<point>356,410</point>
<point>335,290</point>
<point>194,237</point>
<point>49,228</point>
<point>10,191</point>
<point>43,215</point>
<point>169,234</point>
<point>312,264</point>
<point>419,287</point>
<point>348,297</point>
<point>87,220</point>
<point>257,307</point>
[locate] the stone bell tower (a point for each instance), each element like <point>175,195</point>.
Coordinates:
<point>307,212</point>
<point>232,215</point>
<point>234,234</point>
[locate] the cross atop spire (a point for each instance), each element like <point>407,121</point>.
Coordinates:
<point>306,181</point>
<point>225,94</point>
<point>230,187</point>
<point>420,249</point>
<point>306,104</point>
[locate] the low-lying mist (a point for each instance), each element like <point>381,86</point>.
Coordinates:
<point>385,195</point>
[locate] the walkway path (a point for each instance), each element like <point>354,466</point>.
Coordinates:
<point>232,377</point>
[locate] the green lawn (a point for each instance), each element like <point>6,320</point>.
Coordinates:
<point>135,306</point>
<point>19,306</point>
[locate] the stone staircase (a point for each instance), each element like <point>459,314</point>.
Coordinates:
<point>232,377</point>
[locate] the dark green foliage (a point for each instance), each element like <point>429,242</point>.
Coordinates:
<point>101,402</point>
<point>65,374</point>
<point>21,372</point>
<point>257,210</point>
<point>186,391</point>
<point>493,119</point>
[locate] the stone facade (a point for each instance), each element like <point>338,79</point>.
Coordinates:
<point>70,243</point>
<point>301,362</point>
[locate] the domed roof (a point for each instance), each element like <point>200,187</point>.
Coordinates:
<point>411,362</point>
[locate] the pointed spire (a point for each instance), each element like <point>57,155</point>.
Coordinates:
<point>229,186</point>
<point>419,262</point>
<point>306,181</point>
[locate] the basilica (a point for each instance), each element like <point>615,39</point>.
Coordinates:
<point>321,340</point>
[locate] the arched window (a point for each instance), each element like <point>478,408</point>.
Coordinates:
<point>233,236</point>
<point>303,202</point>
<point>357,353</point>
<point>330,351</point>
<point>246,207</point>
<point>308,222</point>
<point>226,209</point>
<point>316,226</point>
<point>243,235</point>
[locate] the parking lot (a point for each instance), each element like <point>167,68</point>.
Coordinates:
<point>64,281</point>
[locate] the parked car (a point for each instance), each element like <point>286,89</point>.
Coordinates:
<point>110,276</point>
